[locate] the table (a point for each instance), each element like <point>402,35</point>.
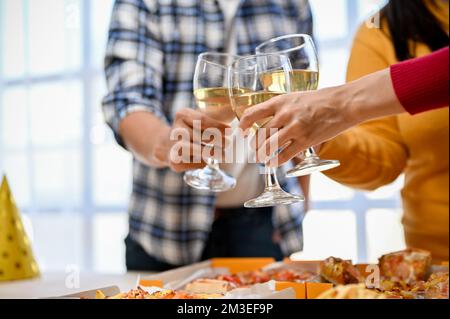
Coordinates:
<point>59,284</point>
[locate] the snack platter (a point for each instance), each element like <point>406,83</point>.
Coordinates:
<point>407,274</point>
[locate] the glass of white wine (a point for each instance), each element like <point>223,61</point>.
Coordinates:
<point>302,54</point>
<point>247,76</point>
<point>212,98</point>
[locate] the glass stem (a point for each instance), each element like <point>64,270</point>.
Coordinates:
<point>310,153</point>
<point>270,178</point>
<point>213,164</point>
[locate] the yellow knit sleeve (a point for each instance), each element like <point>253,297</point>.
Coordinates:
<point>373,154</point>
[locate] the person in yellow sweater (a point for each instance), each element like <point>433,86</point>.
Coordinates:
<point>378,152</point>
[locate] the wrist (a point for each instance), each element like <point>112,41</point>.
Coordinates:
<point>161,149</point>
<point>347,100</point>
<point>371,97</point>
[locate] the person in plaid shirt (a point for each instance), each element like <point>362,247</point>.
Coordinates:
<point>152,50</point>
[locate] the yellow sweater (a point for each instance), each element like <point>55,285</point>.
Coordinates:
<point>377,152</point>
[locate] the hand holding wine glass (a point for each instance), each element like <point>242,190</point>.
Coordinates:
<point>185,153</point>
<point>248,87</point>
<point>303,119</point>
<point>213,100</point>
<point>301,52</point>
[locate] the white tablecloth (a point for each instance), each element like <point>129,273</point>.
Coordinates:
<point>59,284</point>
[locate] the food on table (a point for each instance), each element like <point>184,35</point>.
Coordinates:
<point>246,278</point>
<point>340,272</point>
<point>398,289</point>
<point>404,275</point>
<point>249,278</point>
<point>233,279</point>
<point>292,275</point>
<point>409,266</point>
<point>170,294</point>
<point>437,286</point>
<point>140,293</point>
<point>210,286</point>
<point>401,290</point>
<point>99,295</point>
<point>354,291</point>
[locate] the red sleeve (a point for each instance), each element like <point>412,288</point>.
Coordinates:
<point>422,84</point>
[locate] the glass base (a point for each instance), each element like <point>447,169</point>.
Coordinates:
<point>210,179</point>
<point>308,166</point>
<point>273,197</point>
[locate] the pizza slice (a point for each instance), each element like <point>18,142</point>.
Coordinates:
<point>233,279</point>
<point>246,278</point>
<point>249,278</point>
<point>437,286</point>
<point>209,286</point>
<point>354,291</point>
<point>163,294</point>
<point>289,275</point>
<point>140,293</point>
<point>409,266</point>
<point>340,272</point>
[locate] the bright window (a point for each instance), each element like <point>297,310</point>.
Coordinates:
<point>67,173</point>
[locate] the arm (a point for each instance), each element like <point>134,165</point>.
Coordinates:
<point>310,118</point>
<point>373,154</point>
<point>307,119</point>
<point>134,66</point>
<point>142,133</point>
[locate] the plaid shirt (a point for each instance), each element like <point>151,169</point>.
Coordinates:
<point>151,55</point>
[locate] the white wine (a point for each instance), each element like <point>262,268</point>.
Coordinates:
<point>244,101</point>
<point>216,103</point>
<point>301,80</point>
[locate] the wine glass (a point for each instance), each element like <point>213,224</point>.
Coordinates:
<point>302,54</point>
<point>212,98</point>
<point>247,77</point>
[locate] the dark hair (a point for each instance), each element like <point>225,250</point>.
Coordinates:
<point>411,20</point>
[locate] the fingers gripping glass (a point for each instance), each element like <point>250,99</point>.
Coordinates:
<point>302,54</point>
<point>212,98</point>
<point>248,87</point>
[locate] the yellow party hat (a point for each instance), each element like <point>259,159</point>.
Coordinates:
<point>16,256</point>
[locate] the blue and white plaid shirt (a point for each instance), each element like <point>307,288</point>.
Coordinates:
<point>151,55</point>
